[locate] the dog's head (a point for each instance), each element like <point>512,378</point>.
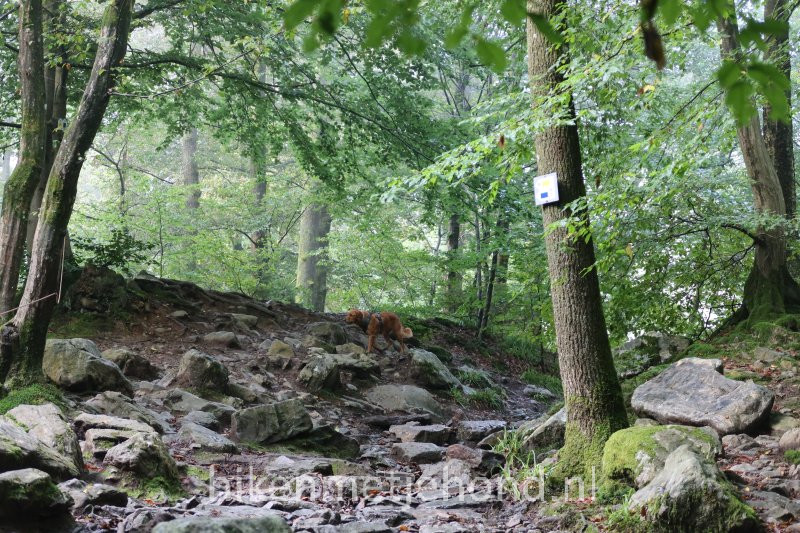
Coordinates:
<point>407,333</point>
<point>353,316</point>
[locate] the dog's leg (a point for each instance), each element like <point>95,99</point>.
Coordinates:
<point>371,343</point>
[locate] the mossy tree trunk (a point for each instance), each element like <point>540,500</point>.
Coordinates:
<point>592,394</point>
<point>55,83</point>
<point>770,289</point>
<point>312,273</point>
<point>22,340</point>
<point>20,187</point>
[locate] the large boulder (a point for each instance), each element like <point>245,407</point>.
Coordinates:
<point>546,433</point>
<point>224,339</point>
<point>186,402</point>
<point>30,493</point>
<point>409,398</point>
<point>270,523</point>
<point>435,433</point>
<point>320,373</point>
<point>633,456</point>
<point>430,371</point>
<point>362,365</point>
<point>86,421</point>
<point>200,371</point>
<point>330,332</point>
<point>691,494</point>
<point>653,348</point>
<point>694,393</point>
<point>117,404</point>
<point>418,452</point>
<point>145,455</point>
<point>279,348</point>
<point>77,365</point>
<point>19,450</point>
<point>206,440</point>
<point>131,363</point>
<point>271,423</point>
<point>83,494</point>
<point>49,425</point>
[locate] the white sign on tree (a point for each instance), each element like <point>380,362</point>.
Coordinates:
<point>545,188</point>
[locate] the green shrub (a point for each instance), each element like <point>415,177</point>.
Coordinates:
<point>792,456</point>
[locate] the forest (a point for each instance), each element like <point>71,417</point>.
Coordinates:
<point>197,195</point>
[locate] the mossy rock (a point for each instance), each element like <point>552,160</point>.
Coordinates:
<point>633,456</point>
<point>36,394</point>
<point>443,354</point>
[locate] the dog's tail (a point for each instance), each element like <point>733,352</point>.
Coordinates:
<point>407,333</point>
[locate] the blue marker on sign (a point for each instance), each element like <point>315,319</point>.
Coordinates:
<point>545,188</point>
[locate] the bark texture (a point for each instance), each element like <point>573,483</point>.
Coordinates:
<point>20,187</point>
<point>592,393</point>
<point>312,274</point>
<point>454,277</point>
<point>770,289</point>
<point>22,341</point>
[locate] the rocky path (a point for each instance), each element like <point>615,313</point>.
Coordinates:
<point>213,412</point>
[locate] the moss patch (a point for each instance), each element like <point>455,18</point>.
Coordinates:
<point>792,456</point>
<point>36,394</point>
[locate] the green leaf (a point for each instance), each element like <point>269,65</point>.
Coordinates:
<point>513,10</point>
<point>298,12</point>
<point>670,10</point>
<point>767,74</point>
<point>738,99</point>
<point>491,54</point>
<point>729,73</point>
<point>546,29</point>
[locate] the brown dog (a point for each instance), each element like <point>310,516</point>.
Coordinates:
<point>384,323</point>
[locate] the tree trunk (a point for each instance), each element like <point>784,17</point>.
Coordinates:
<point>20,187</point>
<point>454,277</point>
<point>592,393</point>
<point>22,341</point>
<point>191,174</point>
<point>55,81</point>
<point>769,290</point>
<point>489,293</point>
<point>778,134</point>
<point>312,274</point>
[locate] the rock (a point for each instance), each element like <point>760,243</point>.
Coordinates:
<point>327,441</point>
<point>540,393</point>
<point>320,373</point>
<point>430,371</point>
<point>639,354</point>
<point>476,430</point>
<point>691,392</point>
<point>635,455</point>
<point>145,455</point>
<point>350,347</point>
<point>20,450</point>
<point>766,354</point>
<point>385,422</point>
<point>271,423</point>
<point>48,424</point>
<point>360,364</point>
<point>417,452</point>
<point>777,509</point>
<point>131,363</point>
<point>330,332</point>
<point>180,313</point>
<point>84,494</point>
<point>226,339</point>
<point>740,442</point>
<point>202,372</point>
<point>549,434</point>
<point>790,440</point>
<point>280,349</point>
<point>691,494</point>
<point>781,423</point>
<point>271,523</point>
<point>86,421</point>
<point>118,405</point>
<point>206,440</point>
<point>244,321</point>
<point>409,398</point>
<point>76,365</point>
<point>98,441</point>
<point>483,461</point>
<point>30,493</point>
<point>201,418</point>
<point>185,402</point>
<point>437,433</point>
